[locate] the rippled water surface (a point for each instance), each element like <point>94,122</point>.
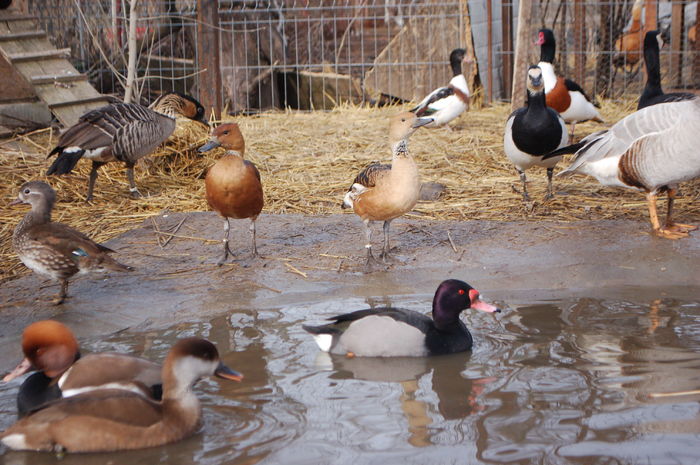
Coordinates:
<point>559,382</point>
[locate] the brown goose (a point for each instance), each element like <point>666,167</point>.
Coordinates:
<point>233,184</point>
<point>111,420</point>
<point>652,150</point>
<point>54,249</point>
<point>123,132</point>
<point>384,192</point>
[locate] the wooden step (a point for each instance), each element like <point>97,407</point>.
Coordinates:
<point>36,56</point>
<point>82,101</point>
<point>18,18</point>
<point>47,79</point>
<point>22,35</point>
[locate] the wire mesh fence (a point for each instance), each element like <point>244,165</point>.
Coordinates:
<point>315,54</point>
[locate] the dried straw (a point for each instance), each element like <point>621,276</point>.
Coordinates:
<point>307,161</point>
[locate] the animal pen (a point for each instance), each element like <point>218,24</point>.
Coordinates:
<point>316,54</point>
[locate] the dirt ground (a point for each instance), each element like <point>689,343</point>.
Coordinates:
<point>307,259</point>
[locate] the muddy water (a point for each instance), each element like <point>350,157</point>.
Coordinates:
<point>548,382</point>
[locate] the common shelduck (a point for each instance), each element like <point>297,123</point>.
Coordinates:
<point>444,104</point>
<point>533,131</point>
<point>564,95</point>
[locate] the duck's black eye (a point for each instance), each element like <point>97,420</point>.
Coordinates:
<point>403,119</point>
<point>27,191</point>
<point>225,133</point>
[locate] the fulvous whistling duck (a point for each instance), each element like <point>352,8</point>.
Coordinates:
<point>384,192</point>
<point>233,184</point>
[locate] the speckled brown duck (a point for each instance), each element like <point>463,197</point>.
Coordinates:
<point>233,185</point>
<point>123,132</point>
<point>54,249</point>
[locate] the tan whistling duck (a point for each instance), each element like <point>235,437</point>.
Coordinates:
<point>533,131</point>
<point>564,95</point>
<point>54,249</point>
<point>233,184</point>
<point>51,349</point>
<point>111,420</point>
<point>652,150</point>
<point>383,192</point>
<point>123,132</point>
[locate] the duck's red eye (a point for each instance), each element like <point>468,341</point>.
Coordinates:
<point>461,292</point>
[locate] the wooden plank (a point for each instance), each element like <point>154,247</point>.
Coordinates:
<point>42,55</point>
<point>677,26</point>
<point>209,56</point>
<point>22,35</point>
<point>580,42</point>
<point>11,17</point>
<point>97,98</point>
<point>507,44</point>
<point>522,47</point>
<point>53,78</point>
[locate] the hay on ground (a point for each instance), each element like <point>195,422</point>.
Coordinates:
<point>307,162</point>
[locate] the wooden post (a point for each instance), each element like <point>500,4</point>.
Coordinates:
<point>209,56</point>
<point>522,47</point>
<point>677,26</point>
<point>580,42</point>
<point>696,57</point>
<point>472,75</point>
<point>650,14</point>
<point>489,47</point>
<point>507,41</point>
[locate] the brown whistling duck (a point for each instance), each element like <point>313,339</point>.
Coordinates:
<point>51,350</point>
<point>111,420</point>
<point>233,184</point>
<point>383,192</point>
<point>123,132</point>
<point>534,131</point>
<point>652,150</point>
<point>54,249</point>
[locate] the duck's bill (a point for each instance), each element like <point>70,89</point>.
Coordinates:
<point>222,371</point>
<point>484,307</point>
<point>15,202</point>
<point>422,121</point>
<point>212,144</point>
<point>23,367</point>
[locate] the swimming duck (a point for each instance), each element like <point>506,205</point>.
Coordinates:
<point>534,131</point>
<point>383,192</point>
<point>564,95</point>
<point>446,103</point>
<point>396,332</point>
<point>123,132</point>
<point>652,150</point>
<point>233,184</point>
<point>652,93</point>
<point>111,420</point>
<point>51,350</point>
<point>54,249</point>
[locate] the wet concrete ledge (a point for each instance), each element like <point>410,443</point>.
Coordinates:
<point>527,261</point>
